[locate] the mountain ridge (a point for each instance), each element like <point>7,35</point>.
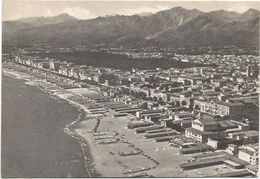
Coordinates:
<point>173,27</point>
<point>43,20</point>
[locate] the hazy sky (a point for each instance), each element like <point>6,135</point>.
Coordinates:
<point>14,9</point>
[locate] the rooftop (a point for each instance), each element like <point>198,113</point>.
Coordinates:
<point>230,104</point>
<point>195,131</point>
<point>226,124</point>
<point>233,174</point>
<point>206,120</point>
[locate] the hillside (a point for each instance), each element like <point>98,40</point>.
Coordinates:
<point>39,21</point>
<point>176,27</point>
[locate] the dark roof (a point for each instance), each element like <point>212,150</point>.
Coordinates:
<point>207,120</point>
<point>252,133</point>
<point>252,167</point>
<point>247,133</point>
<point>233,174</point>
<point>195,131</point>
<point>218,80</point>
<point>182,121</point>
<point>247,151</point>
<point>231,104</point>
<point>209,155</point>
<point>196,93</point>
<point>203,162</point>
<point>185,92</point>
<point>226,124</point>
<point>182,113</point>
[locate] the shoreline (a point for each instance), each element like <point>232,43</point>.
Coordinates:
<point>104,159</point>
<point>68,129</point>
<point>104,139</point>
<point>83,144</point>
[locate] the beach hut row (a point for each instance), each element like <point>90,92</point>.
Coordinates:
<point>139,124</point>
<point>160,134</point>
<point>108,141</point>
<point>99,134</point>
<point>196,149</point>
<point>158,130</point>
<point>127,110</point>
<point>120,115</point>
<point>93,106</point>
<point>202,163</point>
<point>141,175</point>
<point>163,139</point>
<point>241,173</point>
<point>98,111</point>
<point>138,170</point>
<point>230,161</point>
<point>145,129</point>
<point>115,105</point>
<point>95,96</point>
<point>134,152</point>
<point>208,155</point>
<point>123,109</point>
<point>96,125</point>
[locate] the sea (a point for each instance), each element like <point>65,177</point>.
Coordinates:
<point>34,143</point>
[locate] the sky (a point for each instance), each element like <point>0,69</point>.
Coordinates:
<point>15,9</point>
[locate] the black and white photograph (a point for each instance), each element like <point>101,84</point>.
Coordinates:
<point>130,89</point>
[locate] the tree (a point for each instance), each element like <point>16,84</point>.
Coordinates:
<point>177,103</point>
<point>183,103</point>
<point>132,92</point>
<point>172,103</point>
<point>217,89</point>
<point>196,107</point>
<point>144,106</point>
<point>150,98</point>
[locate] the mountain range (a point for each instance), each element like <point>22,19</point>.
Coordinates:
<point>176,27</point>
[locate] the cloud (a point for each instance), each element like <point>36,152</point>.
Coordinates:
<point>78,12</point>
<point>143,9</point>
<point>239,7</point>
<point>49,12</point>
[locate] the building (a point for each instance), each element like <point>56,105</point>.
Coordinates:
<point>197,134</point>
<point>203,128</point>
<point>232,149</point>
<point>182,115</point>
<point>253,169</point>
<point>219,82</point>
<point>232,110</point>
<point>142,114</point>
<point>205,124</point>
<point>244,136</point>
<point>249,153</point>
<point>207,127</point>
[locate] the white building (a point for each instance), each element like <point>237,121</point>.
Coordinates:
<point>249,153</point>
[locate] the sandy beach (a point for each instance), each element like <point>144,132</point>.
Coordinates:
<point>109,163</point>
<point>156,159</point>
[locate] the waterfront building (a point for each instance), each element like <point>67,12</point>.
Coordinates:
<point>249,153</point>
<point>250,136</point>
<point>232,110</point>
<point>202,128</point>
